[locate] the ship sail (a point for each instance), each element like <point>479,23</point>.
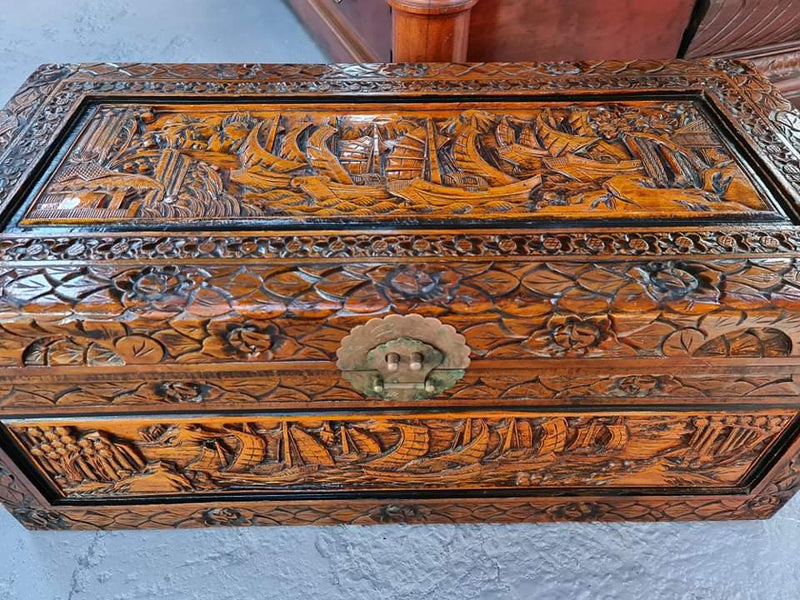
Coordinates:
<point>526,152</point>
<point>657,152</point>
<point>310,450</point>
<point>251,451</point>
<point>524,434</point>
<point>363,442</point>
<point>618,436</point>
<point>253,154</point>
<point>557,142</point>
<point>474,450</point>
<point>528,138</point>
<point>470,452</point>
<point>413,444</point>
<point>356,155</point>
<point>363,155</point>
<point>553,436</point>
<point>406,160</point>
<point>434,171</point>
<point>579,123</point>
<point>587,437</point>
<point>504,133</point>
<point>322,159</point>
<point>290,148</point>
<point>208,460</point>
<point>469,160</point>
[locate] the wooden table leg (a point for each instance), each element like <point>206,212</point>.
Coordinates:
<point>430,30</point>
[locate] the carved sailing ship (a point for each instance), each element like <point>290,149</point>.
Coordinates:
<point>333,181</point>
<point>261,167</point>
<point>415,174</point>
<point>718,439</point>
<point>214,458</point>
<point>608,437</point>
<point>525,152</point>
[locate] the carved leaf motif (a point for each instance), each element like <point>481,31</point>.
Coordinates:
<point>26,289</point>
<point>487,337</point>
<point>99,355</point>
<point>286,285</point>
<point>546,281</point>
<point>65,352</point>
<point>602,281</point>
<point>684,342</point>
<point>138,350</point>
<point>495,283</point>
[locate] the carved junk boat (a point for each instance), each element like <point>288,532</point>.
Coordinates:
<point>415,174</point>
<point>333,181</point>
<point>587,169</point>
<point>525,153</point>
<point>261,167</point>
<point>251,450</point>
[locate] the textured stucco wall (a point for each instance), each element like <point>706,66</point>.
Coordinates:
<point>731,561</point>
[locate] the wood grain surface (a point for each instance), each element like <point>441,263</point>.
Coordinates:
<point>184,248</point>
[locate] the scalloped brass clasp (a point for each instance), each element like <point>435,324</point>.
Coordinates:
<point>406,357</point>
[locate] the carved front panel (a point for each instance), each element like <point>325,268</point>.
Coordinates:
<point>178,456</point>
<point>106,315</point>
<point>140,164</point>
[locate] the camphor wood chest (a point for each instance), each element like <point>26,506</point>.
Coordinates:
<point>305,294</point>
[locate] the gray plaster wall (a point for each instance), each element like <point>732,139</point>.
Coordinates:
<point>693,561</point>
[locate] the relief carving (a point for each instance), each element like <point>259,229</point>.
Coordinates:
<point>260,313</point>
<point>617,159</point>
<point>144,457</point>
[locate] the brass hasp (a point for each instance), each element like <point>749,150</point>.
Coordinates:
<point>403,357</point>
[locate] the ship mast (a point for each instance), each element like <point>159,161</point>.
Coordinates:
<point>376,150</point>
<point>287,448</point>
<point>431,156</point>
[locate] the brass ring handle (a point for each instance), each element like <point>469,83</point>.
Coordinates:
<point>403,357</point>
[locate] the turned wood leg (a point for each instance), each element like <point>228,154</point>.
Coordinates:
<point>430,30</point>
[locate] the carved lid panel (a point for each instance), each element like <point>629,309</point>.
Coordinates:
<point>402,163</point>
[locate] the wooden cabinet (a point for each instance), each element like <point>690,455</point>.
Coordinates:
<point>320,294</point>
<point>766,31</point>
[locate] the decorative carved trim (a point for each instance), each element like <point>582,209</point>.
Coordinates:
<point>305,389</point>
<point>347,245</point>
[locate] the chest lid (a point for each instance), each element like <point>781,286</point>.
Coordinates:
<point>502,160</point>
<point>184,215</point>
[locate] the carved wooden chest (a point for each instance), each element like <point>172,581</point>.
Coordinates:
<point>304,294</point>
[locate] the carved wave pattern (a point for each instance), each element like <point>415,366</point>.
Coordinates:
<point>145,457</point>
<point>146,164</point>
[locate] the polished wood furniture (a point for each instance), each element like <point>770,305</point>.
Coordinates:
<point>309,294</point>
<point>766,31</point>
